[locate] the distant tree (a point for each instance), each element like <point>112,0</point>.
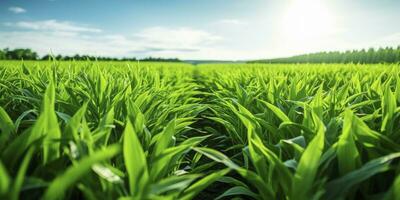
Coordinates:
<point>46,57</point>
<point>2,55</point>
<point>381,55</point>
<point>398,54</point>
<point>19,54</point>
<point>391,55</point>
<point>370,56</point>
<point>28,54</point>
<point>160,59</point>
<point>59,57</point>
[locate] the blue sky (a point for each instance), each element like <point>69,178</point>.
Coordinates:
<point>198,29</point>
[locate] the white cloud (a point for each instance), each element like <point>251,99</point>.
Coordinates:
<point>182,37</point>
<point>16,10</point>
<point>231,22</point>
<point>67,38</point>
<point>45,42</point>
<point>52,25</point>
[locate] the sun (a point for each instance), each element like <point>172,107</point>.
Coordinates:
<point>307,21</point>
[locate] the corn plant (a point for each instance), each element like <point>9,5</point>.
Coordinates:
<point>125,130</point>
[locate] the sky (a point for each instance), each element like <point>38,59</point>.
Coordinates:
<point>198,29</point>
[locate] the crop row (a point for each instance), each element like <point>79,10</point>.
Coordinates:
<point>109,130</point>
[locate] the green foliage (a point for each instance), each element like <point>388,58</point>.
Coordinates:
<point>135,163</point>
<point>61,183</point>
<point>294,130</point>
<point>28,54</point>
<point>381,55</point>
<point>307,168</point>
<point>18,54</point>
<point>113,130</point>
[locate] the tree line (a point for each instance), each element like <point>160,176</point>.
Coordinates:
<point>381,55</point>
<point>28,54</point>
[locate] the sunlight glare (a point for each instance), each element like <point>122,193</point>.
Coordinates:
<point>306,21</point>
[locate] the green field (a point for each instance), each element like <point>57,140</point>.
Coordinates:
<point>129,130</point>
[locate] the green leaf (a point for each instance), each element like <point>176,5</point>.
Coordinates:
<point>278,112</point>
<point>46,126</point>
<point>135,162</point>
<point>6,127</point>
<point>169,158</point>
<point>394,192</point>
<point>347,153</point>
<point>203,183</point>
<point>103,131</point>
<point>238,190</point>
<point>309,162</point>
<point>72,127</point>
<point>59,185</point>
<point>51,150</point>
<point>277,171</point>
<point>18,148</point>
<point>4,180</point>
<point>339,188</point>
<point>136,116</point>
<point>106,173</point>
<point>368,137</point>
<point>173,183</point>
<point>216,156</point>
<point>165,139</point>
<point>263,188</point>
<point>388,110</point>
<point>19,180</point>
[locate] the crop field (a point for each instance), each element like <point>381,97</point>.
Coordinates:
<point>130,130</point>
